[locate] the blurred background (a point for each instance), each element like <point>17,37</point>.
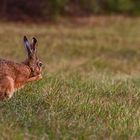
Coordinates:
<point>90,51</point>
<point>48,9</point>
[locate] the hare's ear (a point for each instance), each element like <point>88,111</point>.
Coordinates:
<point>33,44</point>
<point>27,45</point>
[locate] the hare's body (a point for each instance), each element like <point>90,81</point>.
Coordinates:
<point>14,75</point>
<point>19,72</point>
<point>15,70</point>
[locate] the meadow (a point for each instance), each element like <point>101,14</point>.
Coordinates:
<point>91,80</point>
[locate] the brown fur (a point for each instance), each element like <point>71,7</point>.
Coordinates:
<point>14,75</point>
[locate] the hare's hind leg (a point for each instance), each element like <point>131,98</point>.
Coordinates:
<point>10,87</point>
<point>6,87</point>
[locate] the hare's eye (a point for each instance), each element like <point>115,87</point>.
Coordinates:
<point>40,64</point>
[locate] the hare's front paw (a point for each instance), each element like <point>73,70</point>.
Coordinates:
<point>39,77</point>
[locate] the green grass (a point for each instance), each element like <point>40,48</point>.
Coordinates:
<point>91,81</point>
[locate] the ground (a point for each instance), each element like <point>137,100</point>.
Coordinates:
<point>91,80</point>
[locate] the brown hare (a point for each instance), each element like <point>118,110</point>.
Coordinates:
<point>14,75</point>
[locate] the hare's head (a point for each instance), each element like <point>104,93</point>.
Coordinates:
<point>32,61</point>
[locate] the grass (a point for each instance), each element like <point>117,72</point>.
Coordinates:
<point>91,84</point>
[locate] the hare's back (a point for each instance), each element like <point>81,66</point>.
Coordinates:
<point>13,69</point>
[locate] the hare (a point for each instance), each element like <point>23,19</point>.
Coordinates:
<point>14,75</point>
